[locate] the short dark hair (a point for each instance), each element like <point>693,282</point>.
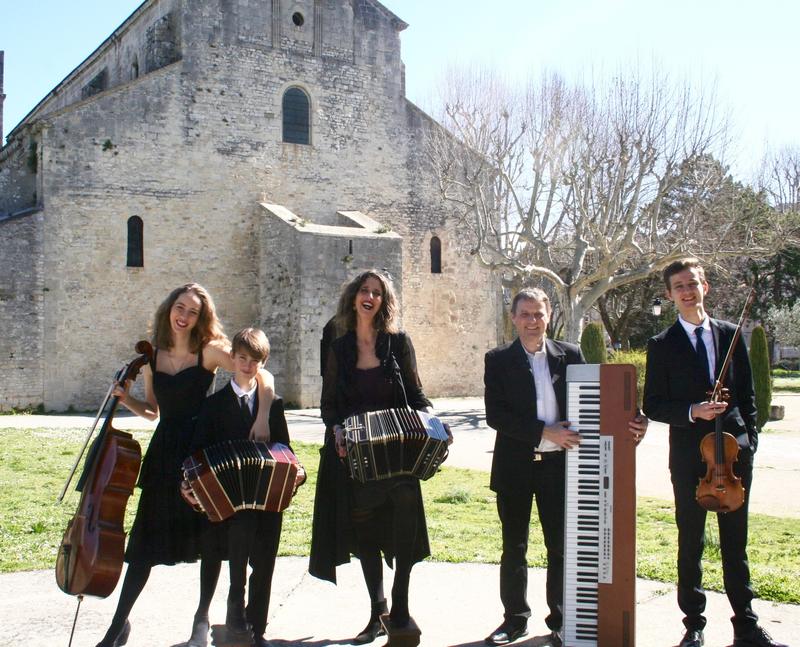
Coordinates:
<point>680,265</point>
<point>251,341</point>
<point>531,294</point>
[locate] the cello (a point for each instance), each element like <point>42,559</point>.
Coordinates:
<point>91,554</point>
<point>720,490</point>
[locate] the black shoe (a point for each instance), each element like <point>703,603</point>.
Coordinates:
<point>555,639</point>
<point>260,641</point>
<point>507,633</point>
<point>199,632</point>
<point>692,638</point>
<point>374,627</point>
<point>120,640</point>
<point>756,637</point>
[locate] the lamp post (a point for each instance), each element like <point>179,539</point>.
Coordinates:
<point>657,307</point>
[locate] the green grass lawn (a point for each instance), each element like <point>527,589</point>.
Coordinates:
<point>461,513</point>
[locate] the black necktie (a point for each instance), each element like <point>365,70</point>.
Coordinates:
<point>701,352</point>
<point>245,403</point>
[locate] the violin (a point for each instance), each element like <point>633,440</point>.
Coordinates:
<point>720,490</point>
<point>91,554</point>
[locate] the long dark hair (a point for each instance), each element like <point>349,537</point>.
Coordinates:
<point>385,319</point>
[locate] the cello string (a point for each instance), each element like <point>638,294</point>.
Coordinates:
<point>85,443</point>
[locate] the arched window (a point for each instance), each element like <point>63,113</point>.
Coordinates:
<point>296,117</point>
<point>436,255</point>
<point>135,69</point>
<point>135,242</point>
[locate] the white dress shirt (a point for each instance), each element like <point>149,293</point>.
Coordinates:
<point>708,340</point>
<point>240,392</point>
<point>546,403</point>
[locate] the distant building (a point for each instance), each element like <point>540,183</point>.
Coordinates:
<point>264,149</point>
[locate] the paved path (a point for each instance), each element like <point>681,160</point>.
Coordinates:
<point>454,604</point>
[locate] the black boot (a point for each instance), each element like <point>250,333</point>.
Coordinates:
<point>119,640</point>
<point>374,627</point>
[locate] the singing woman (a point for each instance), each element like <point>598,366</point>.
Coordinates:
<point>371,367</point>
<point>189,345</point>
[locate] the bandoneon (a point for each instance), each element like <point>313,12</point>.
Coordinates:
<point>600,511</point>
<point>241,475</point>
<point>394,442</point>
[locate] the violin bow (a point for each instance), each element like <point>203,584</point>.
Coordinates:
<point>742,318</point>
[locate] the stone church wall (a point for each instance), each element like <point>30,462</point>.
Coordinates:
<point>303,269</point>
<point>22,299</point>
<point>18,164</point>
<point>194,148</point>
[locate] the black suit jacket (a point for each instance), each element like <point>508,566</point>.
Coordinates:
<point>510,397</point>
<point>675,380</point>
<point>221,418</point>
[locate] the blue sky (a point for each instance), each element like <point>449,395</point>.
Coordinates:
<point>747,49</point>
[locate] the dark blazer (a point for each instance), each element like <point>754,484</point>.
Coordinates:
<point>675,380</point>
<point>221,418</point>
<point>510,398</point>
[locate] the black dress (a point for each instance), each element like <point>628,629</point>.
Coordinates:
<point>166,530</point>
<point>348,390</point>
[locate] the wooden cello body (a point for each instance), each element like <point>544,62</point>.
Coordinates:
<point>91,554</point>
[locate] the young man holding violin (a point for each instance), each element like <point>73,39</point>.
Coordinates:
<point>683,362</point>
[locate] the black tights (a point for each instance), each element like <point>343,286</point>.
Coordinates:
<point>402,500</point>
<point>136,577</point>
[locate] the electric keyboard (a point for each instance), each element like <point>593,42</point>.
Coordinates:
<point>600,510</point>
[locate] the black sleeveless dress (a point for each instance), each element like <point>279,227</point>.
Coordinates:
<point>166,530</point>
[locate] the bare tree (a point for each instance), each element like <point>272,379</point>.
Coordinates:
<point>780,179</point>
<point>588,186</point>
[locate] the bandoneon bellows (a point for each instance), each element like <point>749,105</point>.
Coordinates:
<point>241,475</point>
<point>394,442</point>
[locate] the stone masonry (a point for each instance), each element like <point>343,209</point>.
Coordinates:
<point>177,119</point>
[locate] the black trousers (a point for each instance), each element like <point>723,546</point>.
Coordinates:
<point>514,509</point>
<point>691,521</point>
<point>253,537</point>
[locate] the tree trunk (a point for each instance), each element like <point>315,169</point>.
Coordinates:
<point>573,323</point>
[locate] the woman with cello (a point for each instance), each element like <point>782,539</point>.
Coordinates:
<point>189,347</point>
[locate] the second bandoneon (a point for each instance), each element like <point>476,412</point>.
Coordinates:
<point>394,442</point>
<point>241,475</point>
<point>600,514</point>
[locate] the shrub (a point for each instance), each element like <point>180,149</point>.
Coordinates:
<point>593,345</point>
<point>762,380</point>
